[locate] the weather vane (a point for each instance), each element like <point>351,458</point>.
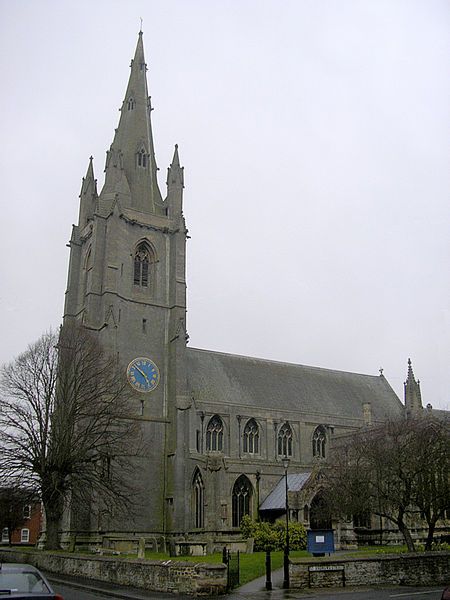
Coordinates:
<point>141,23</point>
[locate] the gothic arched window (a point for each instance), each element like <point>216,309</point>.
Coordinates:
<point>142,265</point>
<point>214,434</point>
<point>251,437</point>
<point>319,442</point>
<point>131,104</point>
<point>198,500</point>
<point>142,158</point>
<point>285,440</point>
<point>241,499</point>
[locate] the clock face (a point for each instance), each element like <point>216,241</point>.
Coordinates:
<point>143,374</point>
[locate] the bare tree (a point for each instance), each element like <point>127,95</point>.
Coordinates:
<point>394,470</point>
<point>432,458</point>
<point>65,425</point>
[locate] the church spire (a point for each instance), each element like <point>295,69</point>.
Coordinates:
<point>88,195</point>
<point>131,170</point>
<point>413,397</point>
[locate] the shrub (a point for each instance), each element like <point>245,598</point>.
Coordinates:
<point>270,536</point>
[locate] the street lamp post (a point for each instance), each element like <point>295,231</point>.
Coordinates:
<point>286,582</point>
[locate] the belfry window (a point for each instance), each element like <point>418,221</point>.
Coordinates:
<point>198,491</point>
<point>142,158</point>
<point>251,437</point>
<point>131,104</point>
<point>319,442</point>
<point>241,499</point>
<point>141,265</point>
<point>214,434</point>
<point>285,440</point>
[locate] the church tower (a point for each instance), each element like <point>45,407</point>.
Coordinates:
<point>126,284</point>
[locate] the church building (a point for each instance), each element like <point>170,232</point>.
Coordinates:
<point>218,425</point>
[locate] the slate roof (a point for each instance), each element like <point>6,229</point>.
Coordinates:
<point>230,379</point>
<point>276,500</point>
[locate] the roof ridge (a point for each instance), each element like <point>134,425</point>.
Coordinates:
<point>281,362</point>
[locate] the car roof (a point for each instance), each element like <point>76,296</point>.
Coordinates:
<point>16,567</point>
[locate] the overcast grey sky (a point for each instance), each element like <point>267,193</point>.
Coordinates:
<point>315,140</point>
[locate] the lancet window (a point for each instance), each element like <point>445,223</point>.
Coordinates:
<point>131,103</point>
<point>241,499</point>
<point>251,437</point>
<point>142,158</point>
<point>198,492</point>
<point>214,434</point>
<point>285,440</point>
<point>319,442</point>
<point>142,261</point>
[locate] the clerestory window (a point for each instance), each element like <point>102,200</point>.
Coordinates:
<point>319,442</point>
<point>285,440</point>
<point>214,434</point>
<point>251,437</point>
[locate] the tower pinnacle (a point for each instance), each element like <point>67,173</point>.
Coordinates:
<point>413,397</point>
<point>88,195</point>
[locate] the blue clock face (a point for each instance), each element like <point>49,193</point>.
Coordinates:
<point>143,374</point>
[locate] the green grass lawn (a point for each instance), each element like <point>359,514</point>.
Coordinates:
<point>252,566</point>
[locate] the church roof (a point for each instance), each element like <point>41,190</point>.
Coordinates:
<point>216,377</point>
<point>276,500</point>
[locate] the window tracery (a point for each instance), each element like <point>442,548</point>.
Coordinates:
<point>241,499</point>
<point>251,437</point>
<point>214,434</point>
<point>285,440</point>
<point>198,489</point>
<point>142,158</point>
<point>319,442</point>
<point>141,265</point>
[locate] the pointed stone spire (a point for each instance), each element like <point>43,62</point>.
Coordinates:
<point>413,397</point>
<point>131,170</point>
<point>88,195</point>
<point>175,185</point>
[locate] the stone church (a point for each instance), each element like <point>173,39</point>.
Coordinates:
<point>219,424</point>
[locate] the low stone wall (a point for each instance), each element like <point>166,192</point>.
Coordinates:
<point>199,579</point>
<point>425,568</point>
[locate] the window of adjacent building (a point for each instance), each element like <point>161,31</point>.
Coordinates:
<point>362,519</point>
<point>141,265</point>
<point>199,501</point>
<point>319,442</point>
<point>241,499</point>
<point>5,535</point>
<point>24,536</point>
<point>27,511</point>
<point>251,437</point>
<point>285,440</point>
<point>214,434</point>
<point>142,158</point>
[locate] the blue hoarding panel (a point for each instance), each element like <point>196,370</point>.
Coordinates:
<point>320,541</point>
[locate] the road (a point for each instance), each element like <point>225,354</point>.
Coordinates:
<point>83,589</point>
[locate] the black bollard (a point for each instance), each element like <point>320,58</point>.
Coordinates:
<point>268,571</point>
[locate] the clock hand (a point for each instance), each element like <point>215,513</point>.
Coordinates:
<point>143,373</point>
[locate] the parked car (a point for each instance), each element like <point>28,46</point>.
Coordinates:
<point>24,582</point>
<point>446,594</point>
